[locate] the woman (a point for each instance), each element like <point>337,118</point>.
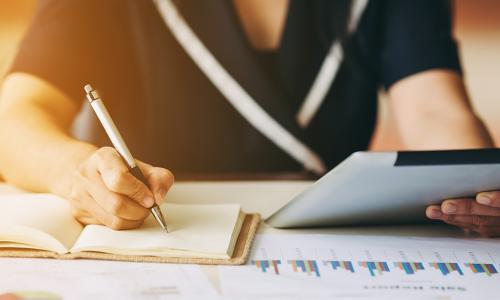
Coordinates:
<point>268,106</point>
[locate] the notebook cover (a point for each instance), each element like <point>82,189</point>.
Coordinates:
<point>240,254</point>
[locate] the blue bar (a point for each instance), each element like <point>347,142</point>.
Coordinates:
<point>479,268</point>
<point>385,267</point>
<point>371,267</point>
<point>301,264</point>
<point>350,266</point>
<point>407,268</point>
<point>493,269</point>
<point>316,270</point>
<point>335,264</point>
<point>443,268</point>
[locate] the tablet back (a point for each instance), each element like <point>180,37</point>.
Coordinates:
<point>390,187</point>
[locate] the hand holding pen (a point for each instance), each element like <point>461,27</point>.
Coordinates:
<point>112,188</point>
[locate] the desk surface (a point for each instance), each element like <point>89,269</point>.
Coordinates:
<point>265,197</point>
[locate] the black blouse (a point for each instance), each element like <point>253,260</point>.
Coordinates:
<point>172,116</point>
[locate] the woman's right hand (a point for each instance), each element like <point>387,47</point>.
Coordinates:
<point>105,192</point>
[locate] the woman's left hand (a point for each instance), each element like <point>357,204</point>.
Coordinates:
<point>481,215</point>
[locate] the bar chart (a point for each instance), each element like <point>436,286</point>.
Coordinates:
<point>311,267</point>
<point>447,267</point>
<point>375,267</point>
<point>264,265</point>
<point>319,262</point>
<point>338,265</point>
<point>305,266</point>
<point>418,266</point>
<point>488,269</point>
<point>409,268</point>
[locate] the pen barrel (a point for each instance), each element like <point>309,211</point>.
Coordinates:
<point>138,174</point>
<point>112,132</point>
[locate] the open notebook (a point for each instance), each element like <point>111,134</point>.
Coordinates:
<point>198,233</point>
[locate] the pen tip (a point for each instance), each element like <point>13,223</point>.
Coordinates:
<point>88,88</point>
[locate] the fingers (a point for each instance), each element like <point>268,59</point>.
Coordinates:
<point>118,179</point>
<point>160,180</point>
<point>114,203</point>
<point>86,210</point>
<point>434,212</point>
<point>468,207</point>
<point>489,199</point>
<point>468,214</point>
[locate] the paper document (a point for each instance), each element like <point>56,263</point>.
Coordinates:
<point>300,266</point>
<point>86,279</point>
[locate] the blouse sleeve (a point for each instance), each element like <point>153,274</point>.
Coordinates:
<point>416,36</point>
<point>71,43</point>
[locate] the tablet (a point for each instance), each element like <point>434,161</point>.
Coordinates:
<point>390,187</point>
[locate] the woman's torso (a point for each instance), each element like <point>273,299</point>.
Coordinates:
<point>170,113</point>
<point>191,127</point>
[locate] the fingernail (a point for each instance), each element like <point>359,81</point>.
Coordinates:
<point>484,198</point>
<point>148,201</point>
<point>435,214</point>
<point>449,208</point>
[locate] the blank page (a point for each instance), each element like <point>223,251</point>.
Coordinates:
<point>201,230</point>
<point>41,220</point>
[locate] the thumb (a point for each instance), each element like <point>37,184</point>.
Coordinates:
<point>160,180</point>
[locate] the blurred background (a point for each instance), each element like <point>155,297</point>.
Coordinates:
<point>477,28</point>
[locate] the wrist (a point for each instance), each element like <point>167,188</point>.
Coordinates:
<point>73,155</point>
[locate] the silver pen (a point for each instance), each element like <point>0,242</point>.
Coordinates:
<point>119,144</point>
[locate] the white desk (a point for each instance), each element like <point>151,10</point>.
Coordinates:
<point>267,197</point>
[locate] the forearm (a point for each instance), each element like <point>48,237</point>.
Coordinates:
<point>36,151</point>
<point>432,111</point>
<point>446,132</point>
<point>37,155</point>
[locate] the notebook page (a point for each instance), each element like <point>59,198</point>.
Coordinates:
<point>41,220</point>
<point>192,228</point>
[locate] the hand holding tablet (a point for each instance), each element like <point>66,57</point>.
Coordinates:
<point>480,214</point>
<point>402,187</point>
